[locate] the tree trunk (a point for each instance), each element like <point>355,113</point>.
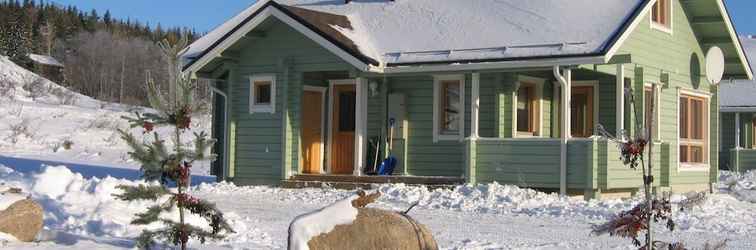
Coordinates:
<point>648,179</point>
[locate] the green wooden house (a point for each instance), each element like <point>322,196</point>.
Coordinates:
<point>480,91</point>
<point>738,118</point>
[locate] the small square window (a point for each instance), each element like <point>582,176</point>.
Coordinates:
<point>262,94</point>
<point>262,91</point>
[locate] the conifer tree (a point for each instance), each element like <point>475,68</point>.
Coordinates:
<point>160,163</point>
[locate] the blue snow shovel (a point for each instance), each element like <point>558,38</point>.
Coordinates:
<point>388,164</point>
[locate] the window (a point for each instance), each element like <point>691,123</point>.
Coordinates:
<point>347,111</point>
<point>448,113</point>
<point>583,109</point>
<point>661,15</point>
<point>527,108</point>
<point>693,130</point>
<point>582,120</point>
<point>262,94</point>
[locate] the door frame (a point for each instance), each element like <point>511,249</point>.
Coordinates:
<point>323,104</point>
<point>359,118</point>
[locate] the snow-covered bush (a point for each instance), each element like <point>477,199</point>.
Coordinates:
<point>18,129</point>
<point>35,87</point>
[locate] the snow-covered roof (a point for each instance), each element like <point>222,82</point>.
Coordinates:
<point>447,31</point>
<point>740,93</point>
<point>45,60</point>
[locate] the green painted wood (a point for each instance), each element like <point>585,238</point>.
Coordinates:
<point>747,160</point>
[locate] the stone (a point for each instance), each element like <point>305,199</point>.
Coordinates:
<point>22,219</point>
<point>377,229</point>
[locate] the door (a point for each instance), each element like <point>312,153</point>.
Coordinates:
<point>582,122</point>
<point>219,133</point>
<point>312,132</point>
<point>342,129</point>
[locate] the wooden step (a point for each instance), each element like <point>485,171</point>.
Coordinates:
<point>412,180</point>
<point>348,185</point>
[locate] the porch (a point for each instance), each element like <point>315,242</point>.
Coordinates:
<point>367,181</point>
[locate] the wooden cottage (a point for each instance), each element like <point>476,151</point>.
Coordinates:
<point>48,67</point>
<point>481,91</point>
<point>738,119</point>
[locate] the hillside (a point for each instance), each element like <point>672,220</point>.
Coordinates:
<point>42,120</point>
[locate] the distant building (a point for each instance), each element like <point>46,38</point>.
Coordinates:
<point>48,67</point>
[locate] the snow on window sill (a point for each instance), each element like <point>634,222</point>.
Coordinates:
<point>661,27</point>
<point>693,167</point>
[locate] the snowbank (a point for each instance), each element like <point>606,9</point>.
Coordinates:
<point>741,186</point>
<point>307,226</point>
<point>86,207</point>
<point>54,93</point>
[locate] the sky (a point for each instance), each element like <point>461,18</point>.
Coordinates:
<point>204,15</point>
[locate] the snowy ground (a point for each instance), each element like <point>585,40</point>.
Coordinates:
<point>82,214</point>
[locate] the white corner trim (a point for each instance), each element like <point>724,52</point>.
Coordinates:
<point>538,82</point>
<point>657,107</point>
<point>638,19</point>
<point>656,26</point>
<point>475,106</point>
<point>620,99</point>
<point>437,79</point>
<point>262,108</point>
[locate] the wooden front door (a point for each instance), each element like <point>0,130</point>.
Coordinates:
<point>582,111</point>
<point>342,129</point>
<point>312,132</point>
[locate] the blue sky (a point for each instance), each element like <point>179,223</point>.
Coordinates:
<point>203,15</point>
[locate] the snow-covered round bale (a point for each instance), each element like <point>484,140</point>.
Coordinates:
<point>347,224</point>
<point>20,217</point>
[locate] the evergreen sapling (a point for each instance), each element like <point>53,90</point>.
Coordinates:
<point>159,163</point>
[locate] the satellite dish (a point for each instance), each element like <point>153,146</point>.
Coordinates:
<point>715,63</point>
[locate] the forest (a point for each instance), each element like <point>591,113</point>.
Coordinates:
<point>104,57</point>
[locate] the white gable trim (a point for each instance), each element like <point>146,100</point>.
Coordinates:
<point>626,34</point>
<point>736,40</point>
<point>257,20</point>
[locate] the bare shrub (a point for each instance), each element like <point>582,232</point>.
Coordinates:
<point>65,144</point>
<point>19,129</point>
<point>64,96</point>
<point>7,88</point>
<point>36,87</point>
<point>104,122</point>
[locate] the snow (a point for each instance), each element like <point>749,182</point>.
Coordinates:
<point>87,123</point>
<point>307,226</point>
<point>442,30</point>
<point>46,60</point>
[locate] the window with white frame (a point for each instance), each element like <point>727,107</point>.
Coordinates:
<point>448,107</point>
<point>661,15</point>
<point>527,108</point>
<point>693,129</point>
<point>262,96</point>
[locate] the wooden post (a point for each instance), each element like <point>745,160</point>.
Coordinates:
<point>620,96</point>
<point>475,105</point>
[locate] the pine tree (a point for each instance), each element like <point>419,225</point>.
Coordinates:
<point>160,163</point>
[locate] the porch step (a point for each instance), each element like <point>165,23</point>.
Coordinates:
<point>417,180</point>
<point>366,182</point>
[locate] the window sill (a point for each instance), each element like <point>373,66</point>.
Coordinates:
<point>661,27</point>
<point>693,167</point>
<point>262,109</point>
<point>443,137</point>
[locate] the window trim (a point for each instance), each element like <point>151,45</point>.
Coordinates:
<point>538,84</point>
<point>437,82</point>
<point>659,26</point>
<point>262,108</point>
<point>657,109</point>
<point>695,167</point>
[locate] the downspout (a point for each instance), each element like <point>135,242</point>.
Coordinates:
<point>225,130</point>
<point>565,82</point>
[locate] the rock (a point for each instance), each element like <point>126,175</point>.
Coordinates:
<point>23,219</point>
<point>377,229</point>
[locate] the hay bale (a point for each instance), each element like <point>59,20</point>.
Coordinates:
<point>377,229</point>
<point>347,224</point>
<point>23,219</point>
